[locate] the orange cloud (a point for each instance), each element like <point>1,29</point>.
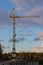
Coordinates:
<point>37,49</point>
<point>41,34</point>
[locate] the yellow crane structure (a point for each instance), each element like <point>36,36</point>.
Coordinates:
<point>14,21</point>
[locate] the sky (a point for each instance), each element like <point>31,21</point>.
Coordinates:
<point>29,31</point>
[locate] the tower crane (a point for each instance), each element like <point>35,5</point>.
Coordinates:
<point>14,21</point>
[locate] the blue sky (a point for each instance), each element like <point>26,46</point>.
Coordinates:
<point>29,32</point>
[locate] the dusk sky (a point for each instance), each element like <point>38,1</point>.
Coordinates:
<point>29,31</point>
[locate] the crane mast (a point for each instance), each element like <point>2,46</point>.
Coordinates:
<point>14,34</point>
<point>14,17</point>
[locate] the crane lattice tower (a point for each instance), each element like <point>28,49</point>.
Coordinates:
<point>14,34</point>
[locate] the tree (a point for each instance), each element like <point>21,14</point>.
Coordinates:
<point>1,51</point>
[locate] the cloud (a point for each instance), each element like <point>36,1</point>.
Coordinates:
<point>37,49</point>
<point>4,19</point>
<point>1,40</point>
<point>41,38</point>
<point>26,34</point>
<point>31,7</point>
<point>42,44</point>
<point>28,8</point>
<point>22,39</point>
<point>16,40</point>
<point>41,34</point>
<point>26,30</point>
<point>37,39</point>
<point>19,9</point>
<point>19,4</point>
<point>2,26</point>
<point>37,10</point>
<point>27,3</point>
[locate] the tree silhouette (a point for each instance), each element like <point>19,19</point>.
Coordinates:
<point>1,51</point>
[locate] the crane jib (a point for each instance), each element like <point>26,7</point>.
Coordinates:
<point>24,17</point>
